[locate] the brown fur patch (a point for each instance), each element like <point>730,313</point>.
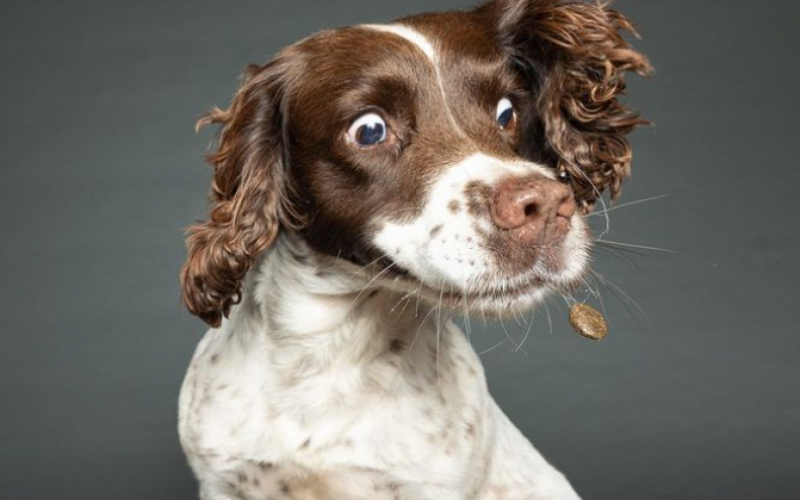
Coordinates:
<point>283,161</point>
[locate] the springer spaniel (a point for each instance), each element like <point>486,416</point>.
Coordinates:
<point>370,182</point>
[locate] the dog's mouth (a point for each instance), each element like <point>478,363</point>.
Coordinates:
<point>467,267</point>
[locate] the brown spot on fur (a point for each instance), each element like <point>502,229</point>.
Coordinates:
<point>470,430</point>
<point>478,195</point>
<point>454,207</point>
<point>396,346</point>
<point>436,230</point>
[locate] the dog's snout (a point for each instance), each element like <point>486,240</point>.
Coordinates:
<point>538,208</point>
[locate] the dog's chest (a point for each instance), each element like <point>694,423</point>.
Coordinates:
<point>415,413</point>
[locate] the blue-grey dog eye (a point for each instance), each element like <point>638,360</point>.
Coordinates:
<point>505,113</point>
<point>368,130</point>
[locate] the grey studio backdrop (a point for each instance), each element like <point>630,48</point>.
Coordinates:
<point>695,396</point>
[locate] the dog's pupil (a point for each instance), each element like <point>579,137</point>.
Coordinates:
<point>370,134</point>
<point>505,117</point>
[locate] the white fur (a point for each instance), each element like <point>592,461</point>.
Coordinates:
<point>298,396</point>
<point>410,34</point>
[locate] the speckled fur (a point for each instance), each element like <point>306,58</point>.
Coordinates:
<point>314,390</point>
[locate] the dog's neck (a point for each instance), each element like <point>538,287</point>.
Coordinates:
<point>319,311</point>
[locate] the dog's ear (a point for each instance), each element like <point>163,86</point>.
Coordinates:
<point>575,56</point>
<point>247,193</point>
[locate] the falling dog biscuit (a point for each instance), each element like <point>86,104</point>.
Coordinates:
<point>588,321</point>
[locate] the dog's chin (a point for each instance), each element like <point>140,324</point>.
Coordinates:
<point>498,297</point>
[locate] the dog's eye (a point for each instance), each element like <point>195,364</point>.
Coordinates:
<point>505,114</point>
<point>368,130</point>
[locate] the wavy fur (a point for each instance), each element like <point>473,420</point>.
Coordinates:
<point>247,195</point>
<point>579,54</point>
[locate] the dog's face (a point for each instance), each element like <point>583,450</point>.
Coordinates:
<point>415,165</point>
<point>452,153</point>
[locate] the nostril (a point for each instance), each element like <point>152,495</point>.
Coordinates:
<point>530,210</point>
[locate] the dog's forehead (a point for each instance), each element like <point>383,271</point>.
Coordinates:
<point>460,35</point>
<point>454,49</point>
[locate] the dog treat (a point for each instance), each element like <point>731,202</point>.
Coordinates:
<point>588,321</point>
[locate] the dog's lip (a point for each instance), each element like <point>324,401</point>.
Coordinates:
<point>501,290</point>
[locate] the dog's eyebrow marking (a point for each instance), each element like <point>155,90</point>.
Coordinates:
<point>411,35</point>
<point>423,44</point>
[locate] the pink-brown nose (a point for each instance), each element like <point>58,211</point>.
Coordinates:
<point>538,209</point>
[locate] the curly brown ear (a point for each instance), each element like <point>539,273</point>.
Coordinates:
<point>246,195</point>
<point>578,57</point>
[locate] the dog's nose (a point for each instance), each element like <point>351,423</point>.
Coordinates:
<point>538,209</point>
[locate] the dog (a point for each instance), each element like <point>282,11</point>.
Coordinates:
<point>369,183</point>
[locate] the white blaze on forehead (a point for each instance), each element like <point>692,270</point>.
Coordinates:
<point>426,47</point>
<point>409,34</point>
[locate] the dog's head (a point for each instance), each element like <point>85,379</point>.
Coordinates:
<point>456,152</point>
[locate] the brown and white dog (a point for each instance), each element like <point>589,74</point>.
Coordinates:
<point>369,182</point>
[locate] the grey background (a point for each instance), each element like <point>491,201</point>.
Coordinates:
<point>695,398</point>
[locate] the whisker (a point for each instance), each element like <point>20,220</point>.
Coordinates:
<point>632,249</point>
<point>527,333</point>
<point>508,335</point>
<point>405,299</point>
<point>624,297</point>
<point>549,318</point>
<point>483,308</point>
<point>487,351</point>
<point>567,298</point>
<point>624,255</point>
<point>465,298</point>
<point>602,202</point>
<point>515,312</point>
<point>419,295</point>
<point>416,335</point>
<point>635,247</point>
<point>602,302</point>
<point>629,204</point>
<point>363,268</point>
<point>366,287</point>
